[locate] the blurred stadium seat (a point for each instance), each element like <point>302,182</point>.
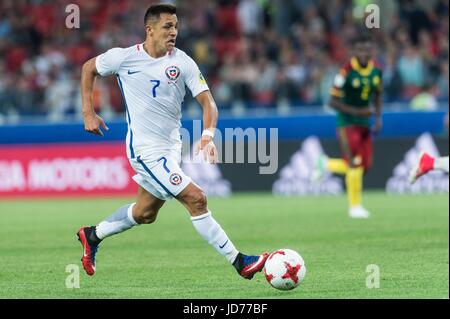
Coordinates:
<point>254,53</point>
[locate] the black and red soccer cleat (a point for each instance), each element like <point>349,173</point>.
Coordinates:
<point>248,266</point>
<point>89,248</point>
<point>425,163</point>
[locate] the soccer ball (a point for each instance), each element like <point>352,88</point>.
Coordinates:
<point>285,269</point>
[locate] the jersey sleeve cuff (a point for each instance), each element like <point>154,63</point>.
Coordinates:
<point>194,94</point>
<point>337,93</point>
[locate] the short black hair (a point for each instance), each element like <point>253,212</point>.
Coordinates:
<point>154,11</point>
<point>362,38</point>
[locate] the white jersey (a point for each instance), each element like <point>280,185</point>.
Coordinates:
<point>153,90</point>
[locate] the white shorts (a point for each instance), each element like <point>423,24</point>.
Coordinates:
<point>162,178</point>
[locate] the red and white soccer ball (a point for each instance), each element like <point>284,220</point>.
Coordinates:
<point>285,269</point>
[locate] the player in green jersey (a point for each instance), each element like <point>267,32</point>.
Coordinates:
<point>356,88</point>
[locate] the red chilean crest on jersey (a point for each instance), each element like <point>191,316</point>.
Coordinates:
<point>175,179</point>
<point>172,72</point>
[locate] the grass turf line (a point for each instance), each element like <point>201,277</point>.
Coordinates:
<point>406,237</point>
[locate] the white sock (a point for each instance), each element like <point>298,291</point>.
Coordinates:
<point>211,231</point>
<point>118,222</point>
<point>441,163</point>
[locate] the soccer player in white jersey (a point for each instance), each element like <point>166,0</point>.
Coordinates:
<point>152,77</point>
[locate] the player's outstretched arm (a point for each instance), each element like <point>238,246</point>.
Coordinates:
<point>92,121</point>
<point>210,116</point>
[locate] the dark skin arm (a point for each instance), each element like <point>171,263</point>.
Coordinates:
<point>339,106</point>
<point>92,121</point>
<point>378,111</point>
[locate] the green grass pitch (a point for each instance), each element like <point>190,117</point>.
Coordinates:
<point>406,237</point>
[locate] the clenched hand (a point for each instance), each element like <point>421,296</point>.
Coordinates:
<point>207,147</point>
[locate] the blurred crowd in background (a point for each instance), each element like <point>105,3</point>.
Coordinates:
<point>255,54</point>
